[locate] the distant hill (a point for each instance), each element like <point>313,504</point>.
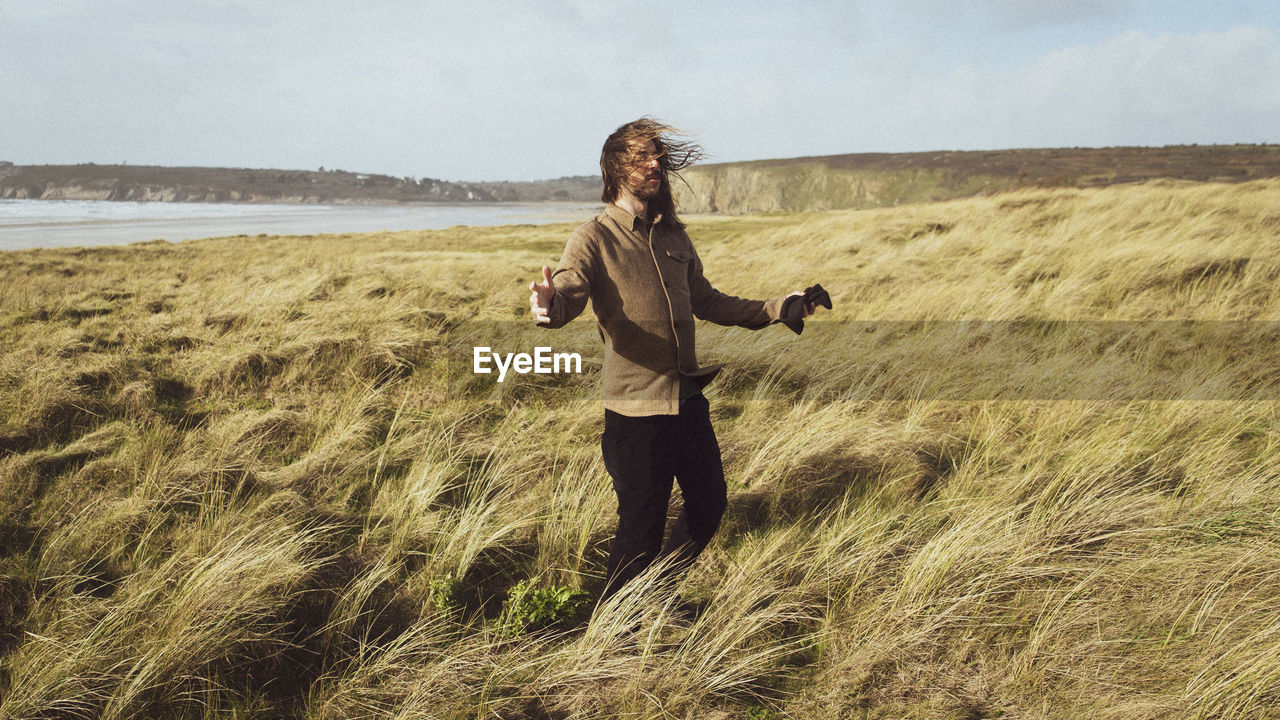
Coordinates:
<point>885,179</point>
<point>810,183</point>
<point>198,184</point>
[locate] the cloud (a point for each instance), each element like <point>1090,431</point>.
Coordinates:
<point>1021,15</point>
<point>1017,15</point>
<point>1133,89</point>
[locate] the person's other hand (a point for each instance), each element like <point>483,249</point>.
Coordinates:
<point>809,308</point>
<point>541,295</point>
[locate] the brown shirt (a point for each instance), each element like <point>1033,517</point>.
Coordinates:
<point>646,285</point>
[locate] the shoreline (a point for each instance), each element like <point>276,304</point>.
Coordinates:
<point>82,227</point>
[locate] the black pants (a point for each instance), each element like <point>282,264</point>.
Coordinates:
<point>643,454</point>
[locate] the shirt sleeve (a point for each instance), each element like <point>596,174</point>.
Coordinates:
<point>572,279</point>
<point>714,306</point>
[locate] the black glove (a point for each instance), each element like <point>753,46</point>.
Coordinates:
<point>792,312</point>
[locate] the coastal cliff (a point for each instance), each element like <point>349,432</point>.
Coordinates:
<point>887,179</point>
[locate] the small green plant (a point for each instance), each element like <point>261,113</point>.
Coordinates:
<point>442,592</point>
<point>528,608</point>
<point>755,712</point>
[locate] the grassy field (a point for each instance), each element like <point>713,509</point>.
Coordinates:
<point>255,477</point>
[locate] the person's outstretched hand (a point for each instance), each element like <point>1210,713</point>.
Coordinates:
<point>540,296</point>
<point>799,305</point>
<point>809,308</point>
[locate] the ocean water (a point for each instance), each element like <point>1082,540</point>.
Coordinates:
<point>68,223</point>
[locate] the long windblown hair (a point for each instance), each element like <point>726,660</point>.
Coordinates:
<point>674,156</point>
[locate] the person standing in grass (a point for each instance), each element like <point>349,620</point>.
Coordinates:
<point>645,281</point>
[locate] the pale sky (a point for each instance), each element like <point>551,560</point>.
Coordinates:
<point>482,90</point>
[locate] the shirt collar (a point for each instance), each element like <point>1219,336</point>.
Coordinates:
<point>626,218</point>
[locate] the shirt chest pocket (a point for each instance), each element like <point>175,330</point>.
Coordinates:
<point>676,270</point>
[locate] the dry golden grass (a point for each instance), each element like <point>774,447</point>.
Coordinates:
<point>254,477</point>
